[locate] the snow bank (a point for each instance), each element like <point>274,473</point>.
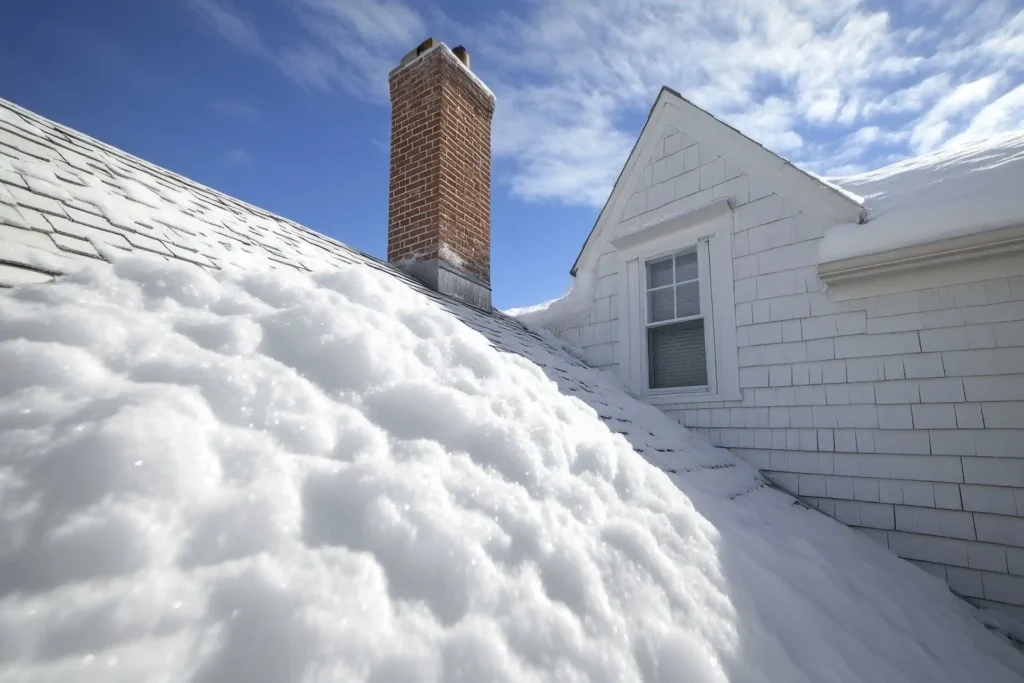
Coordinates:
<point>271,477</point>
<point>970,188</point>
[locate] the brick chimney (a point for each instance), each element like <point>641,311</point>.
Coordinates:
<point>439,216</point>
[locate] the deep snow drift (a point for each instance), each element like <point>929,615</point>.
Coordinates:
<point>269,477</point>
<point>972,187</point>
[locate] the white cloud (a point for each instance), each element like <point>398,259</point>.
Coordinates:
<point>237,28</point>
<point>910,99</point>
<point>933,128</point>
<point>1002,115</point>
<point>574,77</point>
<point>824,107</point>
<point>574,158</point>
<point>347,44</point>
<point>384,22</point>
<point>870,135</point>
<point>782,71</point>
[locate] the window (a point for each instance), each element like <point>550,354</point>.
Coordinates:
<point>677,321</point>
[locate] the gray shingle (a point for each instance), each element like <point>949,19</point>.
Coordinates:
<point>12,178</point>
<point>75,245</point>
<point>36,201</point>
<point>12,275</point>
<point>21,142</point>
<point>11,215</point>
<point>23,236</point>
<point>85,232</point>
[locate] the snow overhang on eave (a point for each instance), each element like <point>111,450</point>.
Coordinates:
<point>999,242</point>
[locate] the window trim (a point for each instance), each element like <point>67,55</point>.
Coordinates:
<point>712,225</point>
<point>706,314</point>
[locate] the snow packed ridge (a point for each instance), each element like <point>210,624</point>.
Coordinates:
<point>296,464</point>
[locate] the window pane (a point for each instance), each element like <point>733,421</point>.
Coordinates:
<point>688,299</point>
<point>676,356</point>
<point>659,273</point>
<point>659,305</point>
<point>686,266</point>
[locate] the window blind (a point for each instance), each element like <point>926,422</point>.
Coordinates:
<point>676,356</point>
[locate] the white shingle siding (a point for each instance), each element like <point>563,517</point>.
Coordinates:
<point>913,415</point>
<point>898,414</point>
<point>921,419</point>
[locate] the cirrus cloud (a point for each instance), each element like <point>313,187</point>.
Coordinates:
<point>836,87</point>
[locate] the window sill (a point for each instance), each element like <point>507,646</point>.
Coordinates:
<point>675,398</point>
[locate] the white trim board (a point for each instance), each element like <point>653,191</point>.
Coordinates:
<point>672,225</point>
<point>961,260</point>
<point>714,223</point>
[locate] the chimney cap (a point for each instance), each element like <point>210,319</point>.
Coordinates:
<point>463,55</point>
<point>427,44</point>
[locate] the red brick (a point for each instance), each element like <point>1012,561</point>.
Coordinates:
<point>440,189</point>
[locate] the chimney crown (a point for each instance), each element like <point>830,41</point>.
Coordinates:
<point>439,210</point>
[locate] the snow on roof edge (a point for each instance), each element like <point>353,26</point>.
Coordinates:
<point>969,188</point>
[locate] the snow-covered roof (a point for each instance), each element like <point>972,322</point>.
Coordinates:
<point>971,187</point>
<point>294,463</point>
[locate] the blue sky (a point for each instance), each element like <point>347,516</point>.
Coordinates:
<point>284,104</point>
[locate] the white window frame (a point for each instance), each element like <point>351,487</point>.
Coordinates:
<point>706,314</point>
<point>709,230</point>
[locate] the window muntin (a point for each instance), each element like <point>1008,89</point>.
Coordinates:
<point>677,356</point>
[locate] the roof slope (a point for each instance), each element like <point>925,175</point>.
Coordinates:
<point>96,199</point>
<point>241,475</point>
<point>969,188</point>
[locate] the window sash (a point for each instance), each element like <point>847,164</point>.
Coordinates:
<point>706,313</point>
<point>674,285</point>
<point>681,349</point>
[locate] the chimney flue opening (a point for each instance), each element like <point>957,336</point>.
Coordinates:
<point>425,45</point>
<point>462,54</point>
